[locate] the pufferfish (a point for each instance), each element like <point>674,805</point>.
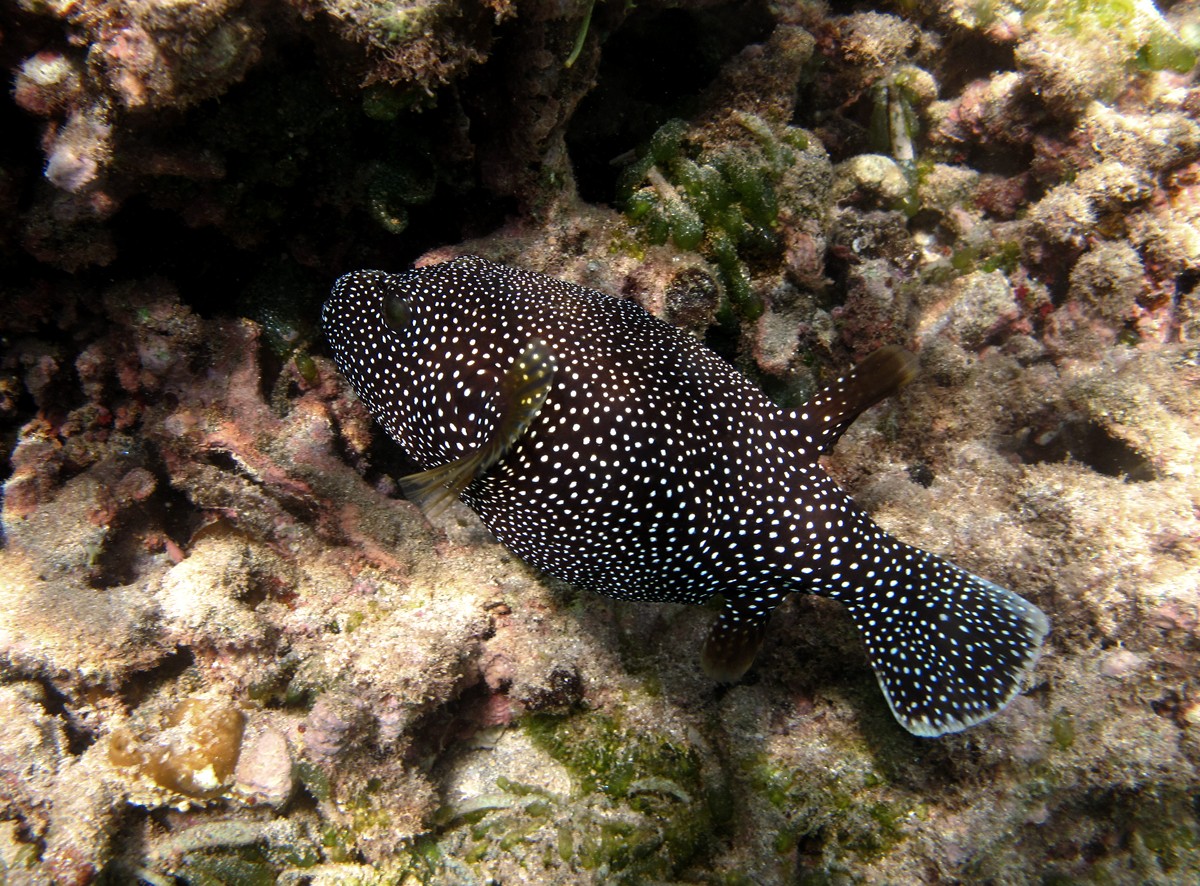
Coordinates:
<point>610,449</point>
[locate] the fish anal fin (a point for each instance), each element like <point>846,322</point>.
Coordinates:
<point>523,391</point>
<point>732,644</point>
<point>822,419</point>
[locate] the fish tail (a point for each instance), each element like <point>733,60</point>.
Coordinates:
<point>949,648</point>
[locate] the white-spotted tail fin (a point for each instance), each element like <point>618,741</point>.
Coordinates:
<point>950,649</point>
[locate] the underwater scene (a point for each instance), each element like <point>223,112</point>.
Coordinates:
<point>716,442</point>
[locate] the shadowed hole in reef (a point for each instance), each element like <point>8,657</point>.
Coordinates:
<point>116,562</point>
<point>1089,444</point>
<point>296,504</point>
<point>79,739</point>
<point>452,722</point>
<point>169,669</point>
<point>385,463</point>
<point>141,528</point>
<point>653,68</point>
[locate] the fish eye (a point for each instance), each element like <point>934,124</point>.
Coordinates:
<point>397,312</point>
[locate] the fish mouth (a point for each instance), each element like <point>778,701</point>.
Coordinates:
<point>353,309</point>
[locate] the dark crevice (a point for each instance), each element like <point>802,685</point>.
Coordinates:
<point>174,512</point>
<point>970,56</point>
<point>1087,443</point>
<point>1004,160</point>
<point>449,724</point>
<point>296,505</point>
<point>119,559</point>
<point>299,194</point>
<point>1113,457</point>
<point>654,68</point>
<point>385,462</point>
<point>270,367</point>
<point>170,668</point>
<point>12,418</point>
<point>56,704</point>
<point>225,462</point>
<point>724,338</point>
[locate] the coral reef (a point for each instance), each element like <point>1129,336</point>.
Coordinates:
<point>231,652</point>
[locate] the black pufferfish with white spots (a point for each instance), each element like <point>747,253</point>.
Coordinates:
<point>615,451</point>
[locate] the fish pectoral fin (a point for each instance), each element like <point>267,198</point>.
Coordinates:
<point>434,489</point>
<point>822,419</point>
<point>732,644</point>
<point>523,392</point>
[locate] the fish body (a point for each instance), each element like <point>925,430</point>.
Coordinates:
<point>615,451</point>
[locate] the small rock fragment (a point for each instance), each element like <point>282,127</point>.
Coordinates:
<point>977,307</point>
<point>264,772</point>
<point>1121,663</point>
<point>870,175</point>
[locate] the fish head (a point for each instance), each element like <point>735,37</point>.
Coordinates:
<point>424,352</point>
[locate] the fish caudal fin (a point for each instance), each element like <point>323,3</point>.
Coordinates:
<point>950,649</point>
<point>732,644</point>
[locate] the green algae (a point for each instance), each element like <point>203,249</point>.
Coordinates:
<point>247,866</point>
<point>605,758</point>
<point>1152,41</point>
<point>721,201</point>
<point>223,850</point>
<point>642,808</point>
<point>314,779</point>
<point>1148,40</point>
<point>302,682</point>
<point>395,187</point>
<point>369,808</point>
<point>894,125</point>
<point>1147,834</point>
<point>337,843</point>
<point>1004,255</point>
<point>1062,730</point>
<point>1167,831</point>
<point>384,103</point>
<point>306,366</point>
<point>581,36</point>
<point>852,815</point>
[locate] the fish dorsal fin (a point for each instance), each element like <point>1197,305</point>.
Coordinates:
<point>523,391</point>
<point>822,419</point>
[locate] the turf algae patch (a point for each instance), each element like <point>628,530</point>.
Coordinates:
<point>606,758</point>
<point>841,816</point>
<point>657,778</point>
<point>637,806</point>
